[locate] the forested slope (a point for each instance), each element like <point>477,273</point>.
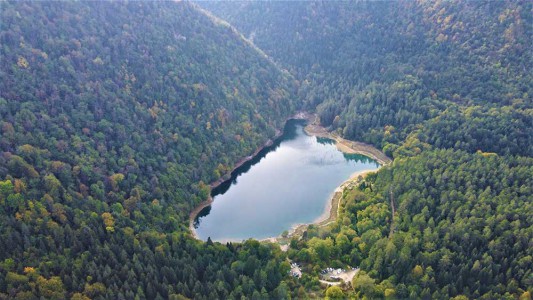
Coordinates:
<point>114,117</point>
<point>377,69</point>
<point>461,227</point>
<point>444,87</point>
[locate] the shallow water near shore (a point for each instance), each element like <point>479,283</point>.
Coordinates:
<point>287,183</point>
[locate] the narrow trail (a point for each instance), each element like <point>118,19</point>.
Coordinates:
<point>393,212</point>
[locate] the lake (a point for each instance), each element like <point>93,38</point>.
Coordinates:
<point>286,184</point>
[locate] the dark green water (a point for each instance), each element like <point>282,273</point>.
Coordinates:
<point>286,184</point>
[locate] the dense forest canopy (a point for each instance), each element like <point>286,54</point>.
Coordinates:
<point>116,116</point>
<point>461,227</point>
<point>377,69</point>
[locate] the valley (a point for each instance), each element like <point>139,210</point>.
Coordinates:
<point>121,122</point>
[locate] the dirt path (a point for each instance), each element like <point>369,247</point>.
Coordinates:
<point>346,276</point>
<point>330,282</point>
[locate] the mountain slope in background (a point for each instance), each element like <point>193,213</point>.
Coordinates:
<point>377,69</point>
<point>114,117</point>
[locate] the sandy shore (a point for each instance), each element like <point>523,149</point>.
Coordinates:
<point>347,146</point>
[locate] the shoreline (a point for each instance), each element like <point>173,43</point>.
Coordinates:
<point>279,132</point>
<point>331,209</point>
<point>328,209</point>
<point>348,146</point>
<point>329,214</point>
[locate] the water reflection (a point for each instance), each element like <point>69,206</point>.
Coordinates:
<point>288,134</point>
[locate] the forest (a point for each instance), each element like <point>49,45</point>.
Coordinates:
<point>460,227</point>
<point>376,72</point>
<point>112,127</point>
<point>117,116</point>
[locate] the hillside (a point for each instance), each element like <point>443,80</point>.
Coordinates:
<point>444,87</point>
<point>377,69</point>
<point>114,119</point>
